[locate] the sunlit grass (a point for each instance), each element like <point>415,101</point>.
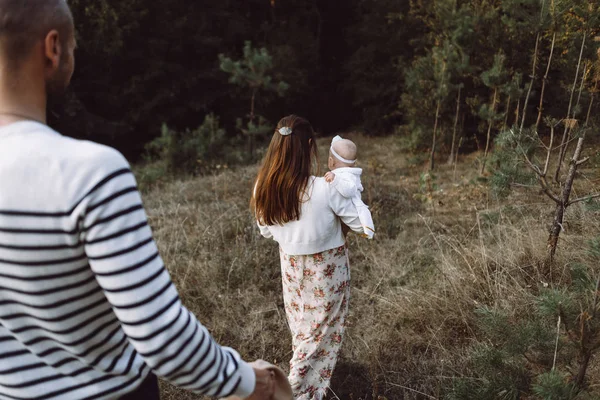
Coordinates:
<point>439,254</point>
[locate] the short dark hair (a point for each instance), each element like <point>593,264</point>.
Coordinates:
<point>24,22</point>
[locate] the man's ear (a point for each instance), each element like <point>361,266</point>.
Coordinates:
<point>52,49</point>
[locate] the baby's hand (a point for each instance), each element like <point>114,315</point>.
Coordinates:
<point>329,177</point>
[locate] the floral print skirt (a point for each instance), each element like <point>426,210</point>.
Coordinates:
<point>316,292</point>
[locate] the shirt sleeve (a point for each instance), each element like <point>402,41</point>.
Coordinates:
<point>264,230</point>
<point>345,209</point>
<point>124,257</point>
<point>345,186</point>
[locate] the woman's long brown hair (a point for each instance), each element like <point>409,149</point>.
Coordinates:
<point>284,174</point>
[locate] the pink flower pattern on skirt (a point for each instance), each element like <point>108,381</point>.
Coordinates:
<point>316,293</point>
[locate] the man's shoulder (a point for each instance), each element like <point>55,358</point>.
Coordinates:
<point>84,154</point>
<point>83,166</point>
<point>101,156</point>
<point>43,147</point>
<point>47,170</point>
<point>79,165</point>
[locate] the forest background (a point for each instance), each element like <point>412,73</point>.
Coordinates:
<point>477,123</point>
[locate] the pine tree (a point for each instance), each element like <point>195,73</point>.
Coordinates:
<point>544,348</point>
<point>253,71</point>
<point>441,76</point>
<point>493,78</point>
<point>512,90</point>
<point>581,21</point>
<point>433,81</point>
<point>518,146</point>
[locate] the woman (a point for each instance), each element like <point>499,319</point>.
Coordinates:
<point>304,214</point>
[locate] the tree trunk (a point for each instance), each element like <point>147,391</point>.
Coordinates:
<point>557,224</point>
<point>452,149</point>
<point>489,132</point>
<point>505,124</point>
<point>583,366</point>
<point>437,117</point>
<point>587,348</point>
<point>533,69</point>
<point>587,118</point>
<point>252,101</point>
<point>555,230</point>
<point>583,76</point>
<point>541,106</point>
<point>565,138</point>
<point>456,159</point>
<point>535,56</point>
<point>435,125</point>
<point>250,134</point>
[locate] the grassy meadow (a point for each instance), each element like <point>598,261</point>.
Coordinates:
<point>444,250</point>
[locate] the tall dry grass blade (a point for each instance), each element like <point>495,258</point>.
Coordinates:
<point>556,343</point>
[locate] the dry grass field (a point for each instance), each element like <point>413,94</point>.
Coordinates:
<point>444,248</point>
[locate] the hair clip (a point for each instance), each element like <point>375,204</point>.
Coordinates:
<point>285,131</point>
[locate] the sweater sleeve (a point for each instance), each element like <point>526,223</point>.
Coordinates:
<point>125,259</point>
<point>345,209</point>
<point>264,230</point>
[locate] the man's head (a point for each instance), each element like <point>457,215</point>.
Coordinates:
<point>37,41</point>
<point>345,149</point>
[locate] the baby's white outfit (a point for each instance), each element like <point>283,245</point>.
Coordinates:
<point>347,183</point>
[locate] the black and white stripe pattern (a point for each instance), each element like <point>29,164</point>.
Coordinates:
<point>87,308</point>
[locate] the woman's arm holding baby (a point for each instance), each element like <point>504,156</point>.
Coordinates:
<point>346,187</point>
<point>345,209</point>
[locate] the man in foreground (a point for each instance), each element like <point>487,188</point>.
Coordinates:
<point>87,309</point>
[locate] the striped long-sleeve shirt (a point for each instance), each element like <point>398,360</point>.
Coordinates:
<point>87,308</point>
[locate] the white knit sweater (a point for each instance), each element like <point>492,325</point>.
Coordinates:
<point>319,227</point>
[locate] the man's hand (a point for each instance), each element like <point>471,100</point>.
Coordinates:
<point>329,177</point>
<point>265,385</point>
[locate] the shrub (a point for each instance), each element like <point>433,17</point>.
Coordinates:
<point>541,347</point>
<point>151,174</point>
<point>507,165</point>
<point>190,151</point>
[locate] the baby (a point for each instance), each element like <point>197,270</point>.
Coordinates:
<point>345,177</point>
